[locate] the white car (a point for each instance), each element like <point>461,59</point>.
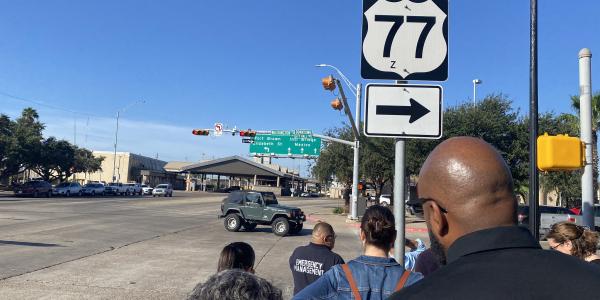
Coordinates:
<point>385,200</point>
<point>116,188</point>
<point>67,189</point>
<point>93,189</point>
<point>164,189</point>
<point>146,189</point>
<point>134,188</point>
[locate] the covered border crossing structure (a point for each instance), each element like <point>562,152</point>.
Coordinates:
<point>238,171</point>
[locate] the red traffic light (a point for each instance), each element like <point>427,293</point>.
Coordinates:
<point>200,132</point>
<point>248,133</point>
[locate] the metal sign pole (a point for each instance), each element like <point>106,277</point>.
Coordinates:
<point>585,111</point>
<point>399,210</point>
<point>534,215</point>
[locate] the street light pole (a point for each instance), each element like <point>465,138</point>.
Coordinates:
<point>114,178</point>
<point>356,129</point>
<point>354,212</point>
<point>475,83</point>
<point>115,153</point>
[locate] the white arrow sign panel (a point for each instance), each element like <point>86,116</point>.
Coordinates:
<point>409,111</point>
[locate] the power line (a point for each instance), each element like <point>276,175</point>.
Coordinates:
<point>49,105</point>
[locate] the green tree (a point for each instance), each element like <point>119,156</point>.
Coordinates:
<point>336,159</point>
<point>492,120</point>
<point>377,161</point>
<point>9,164</point>
<point>28,138</point>
<point>55,160</point>
<point>85,162</point>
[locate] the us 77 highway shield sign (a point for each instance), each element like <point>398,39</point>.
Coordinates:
<point>405,40</point>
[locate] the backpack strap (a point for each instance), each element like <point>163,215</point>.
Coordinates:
<point>402,280</point>
<point>351,281</point>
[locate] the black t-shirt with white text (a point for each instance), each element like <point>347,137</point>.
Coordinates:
<point>310,262</point>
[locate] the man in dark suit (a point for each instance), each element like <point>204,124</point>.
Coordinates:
<point>467,193</point>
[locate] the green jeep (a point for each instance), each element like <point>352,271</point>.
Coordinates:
<point>251,208</point>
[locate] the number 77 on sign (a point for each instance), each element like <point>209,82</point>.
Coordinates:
<point>405,40</point>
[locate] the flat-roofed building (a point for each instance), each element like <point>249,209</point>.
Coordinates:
<point>128,167</point>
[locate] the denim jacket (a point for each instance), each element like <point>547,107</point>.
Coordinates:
<point>375,277</point>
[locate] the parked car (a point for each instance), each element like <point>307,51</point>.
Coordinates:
<point>67,189</point>
<point>93,189</point>
<point>146,189</point>
<point>579,218</point>
<point>134,188</point>
<point>116,188</point>
<point>548,215</point>
<point>252,208</point>
<point>385,200</point>
<point>34,188</point>
<point>163,189</point>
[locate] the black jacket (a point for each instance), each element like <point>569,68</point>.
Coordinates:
<point>310,262</point>
<point>506,263</point>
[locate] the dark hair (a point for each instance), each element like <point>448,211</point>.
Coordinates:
<point>378,226</point>
<point>235,284</point>
<point>238,255</point>
<point>584,240</point>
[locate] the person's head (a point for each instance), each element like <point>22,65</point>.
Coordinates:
<point>572,239</point>
<point>377,228</point>
<point>323,234</point>
<point>238,255</point>
<point>465,186</point>
<point>235,284</point>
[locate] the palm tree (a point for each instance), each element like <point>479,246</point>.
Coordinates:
<point>595,125</point>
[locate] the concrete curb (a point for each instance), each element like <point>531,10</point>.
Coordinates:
<point>312,219</point>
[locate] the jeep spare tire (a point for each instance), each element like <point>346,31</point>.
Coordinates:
<point>232,222</point>
<point>281,226</point>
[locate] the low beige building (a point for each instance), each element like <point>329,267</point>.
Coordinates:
<point>128,167</point>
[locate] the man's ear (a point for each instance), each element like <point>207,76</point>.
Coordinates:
<point>362,236</point>
<point>438,221</point>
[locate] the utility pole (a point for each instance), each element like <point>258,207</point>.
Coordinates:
<point>585,111</point>
<point>115,153</point>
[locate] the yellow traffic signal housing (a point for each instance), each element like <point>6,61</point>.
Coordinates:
<point>328,83</point>
<point>560,153</point>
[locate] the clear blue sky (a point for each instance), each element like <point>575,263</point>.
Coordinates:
<point>251,64</point>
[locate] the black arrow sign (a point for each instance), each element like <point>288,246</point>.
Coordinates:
<point>415,110</point>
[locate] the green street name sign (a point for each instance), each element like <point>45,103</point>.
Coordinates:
<point>285,142</point>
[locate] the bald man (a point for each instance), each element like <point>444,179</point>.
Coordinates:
<point>309,262</point>
<point>469,205</point>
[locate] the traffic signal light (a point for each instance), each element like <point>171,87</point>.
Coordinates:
<point>248,133</point>
<point>560,153</point>
<point>200,132</point>
<point>328,83</point>
<point>337,104</point>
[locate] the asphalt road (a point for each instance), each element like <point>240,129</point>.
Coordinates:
<point>137,247</point>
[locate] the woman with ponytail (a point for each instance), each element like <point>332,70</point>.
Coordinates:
<point>575,240</point>
<point>373,275</point>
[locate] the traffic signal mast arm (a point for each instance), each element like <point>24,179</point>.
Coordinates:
<point>347,109</point>
<point>332,139</point>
